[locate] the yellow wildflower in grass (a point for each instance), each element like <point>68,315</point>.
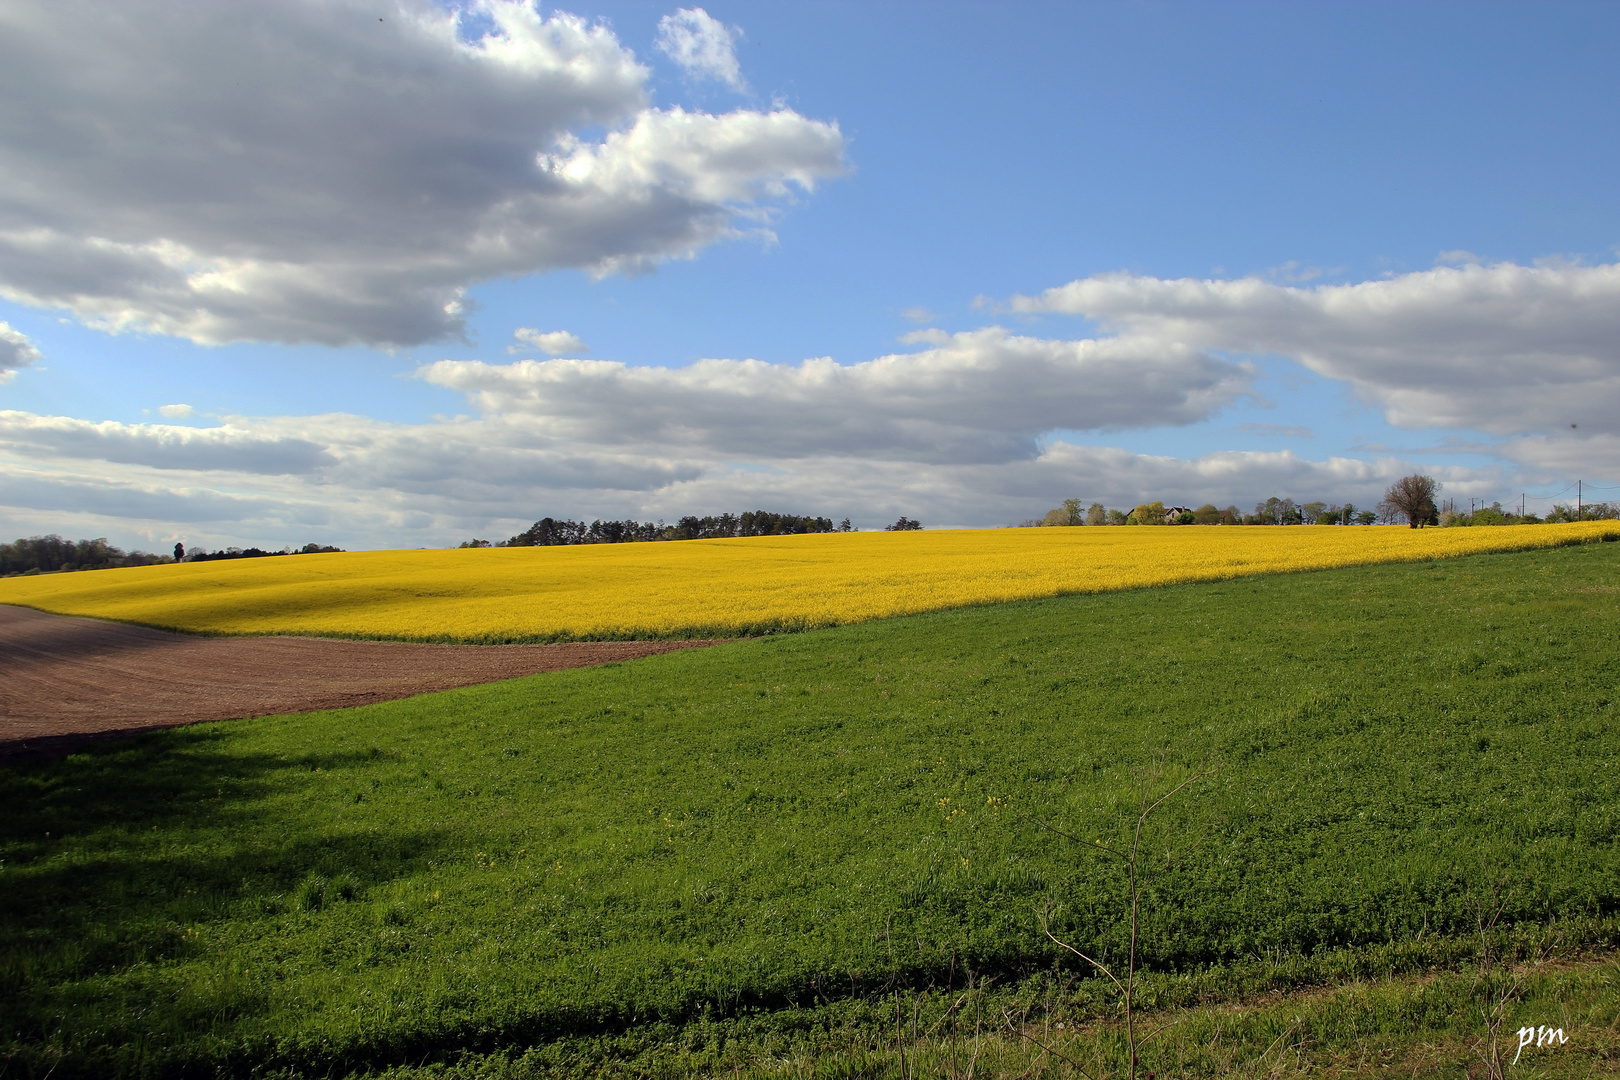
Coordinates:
<point>721,587</point>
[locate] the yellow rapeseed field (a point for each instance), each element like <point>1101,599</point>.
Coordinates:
<point>722,587</point>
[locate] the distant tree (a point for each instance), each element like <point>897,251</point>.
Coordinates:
<point>1485,515</point>
<point>1071,512</point>
<point>845,526</point>
<point>1096,514</point>
<point>1186,517</point>
<point>1118,517</point>
<point>257,553</point>
<point>1412,497</point>
<point>1148,513</point>
<point>1275,511</point>
<point>1311,513</point>
<point>179,552</point>
<point>1366,517</point>
<point>1347,514</point>
<point>234,553</point>
<point>905,524</point>
<point>1206,515</point>
<point>49,554</point>
<point>714,527</point>
<point>549,532</point>
<point>765,523</point>
<point>1268,512</point>
<point>1587,512</point>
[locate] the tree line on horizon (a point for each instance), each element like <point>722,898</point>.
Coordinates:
<point>1410,499</point>
<point>1273,511</point>
<point>555,532</point>
<point>51,554</point>
<point>204,555</point>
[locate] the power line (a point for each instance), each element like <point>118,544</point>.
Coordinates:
<point>1554,495</point>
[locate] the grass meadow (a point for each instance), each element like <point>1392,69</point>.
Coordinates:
<point>822,854</point>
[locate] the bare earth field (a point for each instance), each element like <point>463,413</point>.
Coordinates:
<point>68,681</point>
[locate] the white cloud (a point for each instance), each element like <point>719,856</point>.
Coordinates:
<point>335,171</point>
<point>552,343</point>
<point>1567,456</point>
<point>121,501</point>
<point>360,483</point>
<point>956,432</point>
<point>1504,348</point>
<point>16,351</point>
<point>983,395</point>
<point>228,448</point>
<point>176,412</point>
<point>701,45</point>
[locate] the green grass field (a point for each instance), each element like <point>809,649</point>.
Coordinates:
<point>750,856</point>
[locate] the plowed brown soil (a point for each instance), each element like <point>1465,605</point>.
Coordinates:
<point>65,681</point>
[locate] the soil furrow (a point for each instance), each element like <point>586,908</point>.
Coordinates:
<point>69,680</point>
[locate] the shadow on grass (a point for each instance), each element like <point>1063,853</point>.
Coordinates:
<point>106,854</point>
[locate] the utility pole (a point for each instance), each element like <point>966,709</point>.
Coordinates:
<point>1521,504</point>
<point>1577,498</point>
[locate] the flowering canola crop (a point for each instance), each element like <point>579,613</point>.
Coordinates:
<point>722,587</point>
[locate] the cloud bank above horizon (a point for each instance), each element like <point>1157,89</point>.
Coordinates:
<point>973,427</point>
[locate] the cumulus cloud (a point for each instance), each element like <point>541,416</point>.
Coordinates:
<point>983,395</point>
<point>120,501</point>
<point>338,478</point>
<point>16,351</point>
<point>370,484</point>
<point>1503,348</point>
<point>463,459</point>
<point>229,448</point>
<point>958,431</point>
<point>702,45</point>
<point>335,171</point>
<point>1595,457</point>
<point>176,412</point>
<point>552,343</point>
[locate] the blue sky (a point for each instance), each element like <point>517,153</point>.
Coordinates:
<point>982,153</point>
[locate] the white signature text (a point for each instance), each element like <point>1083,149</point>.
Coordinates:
<point>1539,1036</point>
